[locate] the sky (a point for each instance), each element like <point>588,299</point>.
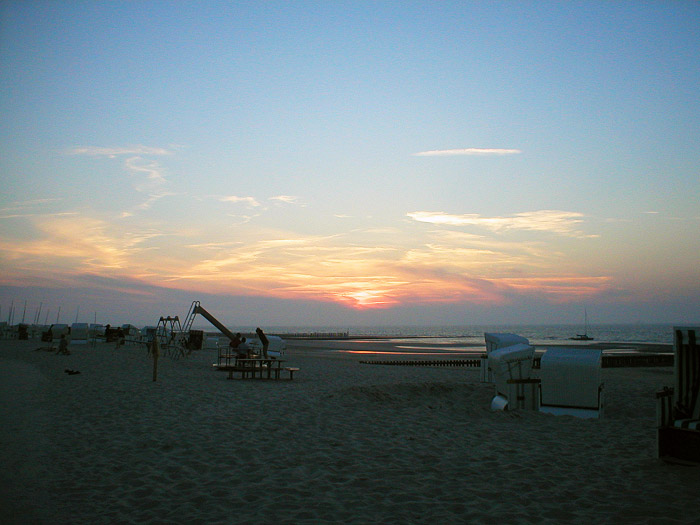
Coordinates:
<point>351,163</point>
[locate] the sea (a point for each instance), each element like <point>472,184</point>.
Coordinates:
<point>470,335</point>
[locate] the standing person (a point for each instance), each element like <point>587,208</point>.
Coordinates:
<point>120,337</point>
<point>263,339</point>
<point>63,345</point>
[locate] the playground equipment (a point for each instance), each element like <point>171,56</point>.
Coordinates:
<point>197,308</point>
<point>171,336</point>
<point>178,339</point>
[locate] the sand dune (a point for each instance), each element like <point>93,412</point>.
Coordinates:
<point>342,443</point>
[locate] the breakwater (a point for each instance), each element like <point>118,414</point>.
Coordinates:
<point>609,361</point>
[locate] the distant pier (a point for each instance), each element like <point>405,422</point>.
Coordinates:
<point>316,335</point>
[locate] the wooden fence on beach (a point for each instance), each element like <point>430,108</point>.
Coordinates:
<point>609,361</point>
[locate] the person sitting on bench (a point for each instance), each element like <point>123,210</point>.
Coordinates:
<point>242,350</point>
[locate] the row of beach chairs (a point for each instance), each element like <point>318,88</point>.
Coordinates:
<point>570,383</point>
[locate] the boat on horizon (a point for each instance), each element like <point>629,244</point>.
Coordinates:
<point>584,336</point>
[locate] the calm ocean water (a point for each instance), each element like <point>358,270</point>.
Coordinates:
<point>537,334</point>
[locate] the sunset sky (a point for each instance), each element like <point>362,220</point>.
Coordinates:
<point>345,163</point>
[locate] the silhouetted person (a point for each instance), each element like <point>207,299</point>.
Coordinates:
<point>63,345</point>
<point>120,337</point>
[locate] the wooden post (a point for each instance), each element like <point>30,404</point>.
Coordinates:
<point>156,353</point>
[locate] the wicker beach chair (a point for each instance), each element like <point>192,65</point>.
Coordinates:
<point>496,341</point>
<point>79,333</point>
<point>571,382</point>
<point>678,408</point>
<point>511,367</point>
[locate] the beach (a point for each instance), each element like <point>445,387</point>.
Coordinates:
<point>343,442</point>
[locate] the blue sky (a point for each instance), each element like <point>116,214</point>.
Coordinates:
<point>352,163</point>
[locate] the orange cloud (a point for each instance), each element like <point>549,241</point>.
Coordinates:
<point>364,268</point>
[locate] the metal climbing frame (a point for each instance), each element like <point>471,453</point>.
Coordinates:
<point>171,336</point>
<point>174,338</point>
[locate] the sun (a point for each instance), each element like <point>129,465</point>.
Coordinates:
<point>366,299</point>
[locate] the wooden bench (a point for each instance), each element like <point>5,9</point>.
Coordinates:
<point>291,371</point>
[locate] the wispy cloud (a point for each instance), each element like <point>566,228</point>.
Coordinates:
<point>149,178</point>
<point>152,170</point>
<point>112,152</point>
<point>287,199</point>
<point>147,204</point>
<point>17,205</point>
<point>148,175</point>
<point>38,214</point>
<point>467,151</point>
<point>32,208</point>
<point>554,221</point>
<point>248,201</point>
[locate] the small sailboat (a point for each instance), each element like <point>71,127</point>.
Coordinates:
<point>584,336</point>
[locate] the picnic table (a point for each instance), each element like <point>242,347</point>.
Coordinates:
<point>260,368</point>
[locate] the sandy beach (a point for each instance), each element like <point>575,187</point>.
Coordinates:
<point>341,443</point>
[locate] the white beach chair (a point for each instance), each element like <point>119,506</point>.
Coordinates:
<point>511,367</point>
<point>79,333</point>
<point>131,333</point>
<point>678,408</point>
<point>57,330</point>
<point>275,349</point>
<point>571,382</point>
<point>494,341</point>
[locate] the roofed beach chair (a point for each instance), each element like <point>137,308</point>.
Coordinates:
<point>57,330</point>
<point>275,349</point>
<point>571,382</point>
<point>95,331</point>
<point>511,367</point>
<point>678,408</point>
<point>79,333</point>
<point>495,341</point>
<point>131,333</point>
